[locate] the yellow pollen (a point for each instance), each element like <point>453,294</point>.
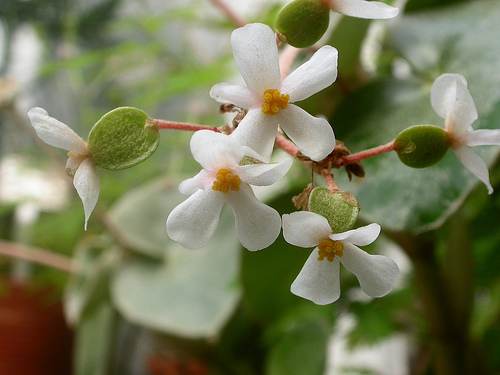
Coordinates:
<point>225,180</point>
<point>274,101</point>
<point>329,249</point>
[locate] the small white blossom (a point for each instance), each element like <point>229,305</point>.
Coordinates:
<point>267,97</point>
<point>319,279</point>
<point>193,222</point>
<point>452,101</point>
<point>363,9</point>
<point>79,165</point>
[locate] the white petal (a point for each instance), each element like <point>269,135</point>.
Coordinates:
<point>215,150</point>
<point>193,222</point>
<point>264,174</point>
<point>377,274</point>
<point>86,183</point>
<point>257,131</point>
<point>318,281</point>
<point>256,54</point>
<point>257,224</point>
<point>452,101</point>
<point>55,133</point>
<point>475,164</point>
<point>201,181</point>
<point>313,76</point>
<point>364,9</point>
<point>361,236</point>
<point>240,96</point>
<point>312,135</point>
<point>305,228</point>
<point>482,137</point>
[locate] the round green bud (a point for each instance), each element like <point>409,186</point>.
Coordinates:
<point>421,146</point>
<point>122,138</point>
<point>341,209</point>
<point>301,23</point>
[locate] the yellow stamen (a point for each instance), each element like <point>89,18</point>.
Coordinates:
<point>329,249</point>
<point>274,101</point>
<point>225,180</point>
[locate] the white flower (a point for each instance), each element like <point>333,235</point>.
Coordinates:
<point>79,165</point>
<point>453,102</point>
<point>319,279</point>
<point>193,222</point>
<point>363,9</point>
<point>267,97</point>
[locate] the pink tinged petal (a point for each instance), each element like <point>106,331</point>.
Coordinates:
<point>312,135</point>
<point>215,150</point>
<point>482,137</point>
<point>193,222</point>
<point>313,76</point>
<point>377,274</point>
<point>201,181</point>
<point>256,55</point>
<point>318,281</point>
<point>257,225</point>
<point>240,96</point>
<point>361,236</point>
<point>258,132</point>
<point>451,100</point>
<point>475,164</point>
<point>305,228</point>
<point>364,9</point>
<point>55,133</point>
<point>264,174</point>
<point>86,183</point>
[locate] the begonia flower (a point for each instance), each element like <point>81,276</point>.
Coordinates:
<point>363,9</point>
<point>79,164</point>
<point>452,101</point>
<point>319,279</point>
<point>268,98</point>
<point>193,222</point>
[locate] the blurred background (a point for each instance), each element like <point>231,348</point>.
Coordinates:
<point>122,298</point>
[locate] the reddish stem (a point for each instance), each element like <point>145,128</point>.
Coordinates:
<point>330,181</point>
<point>162,124</point>
<point>286,145</point>
<point>349,159</point>
<point>236,19</point>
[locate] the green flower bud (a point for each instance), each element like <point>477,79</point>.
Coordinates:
<point>341,209</point>
<point>122,138</point>
<point>301,23</point>
<point>421,146</point>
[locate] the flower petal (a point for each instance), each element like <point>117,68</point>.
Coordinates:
<point>257,225</point>
<point>452,101</point>
<point>256,54</point>
<point>257,131</point>
<point>264,174</point>
<point>313,76</point>
<point>55,133</point>
<point>86,183</point>
<point>482,137</point>
<point>377,274</point>
<point>305,228</point>
<point>361,236</point>
<point>240,96</point>
<point>215,150</point>
<point>193,222</point>
<point>475,164</point>
<point>201,181</point>
<point>318,281</point>
<point>312,135</point>
<point>364,9</point>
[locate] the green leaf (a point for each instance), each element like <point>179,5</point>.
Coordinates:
<point>392,194</point>
<point>190,294</point>
<point>122,138</point>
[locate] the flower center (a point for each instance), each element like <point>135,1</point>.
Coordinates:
<point>329,249</point>
<point>225,180</point>
<point>274,101</point>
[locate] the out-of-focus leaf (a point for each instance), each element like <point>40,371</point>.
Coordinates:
<point>190,294</point>
<point>392,194</point>
<point>415,5</point>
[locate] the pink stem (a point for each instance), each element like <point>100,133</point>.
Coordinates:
<point>287,58</point>
<point>286,145</point>
<point>349,159</point>
<point>330,181</point>
<point>236,19</point>
<point>162,124</point>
